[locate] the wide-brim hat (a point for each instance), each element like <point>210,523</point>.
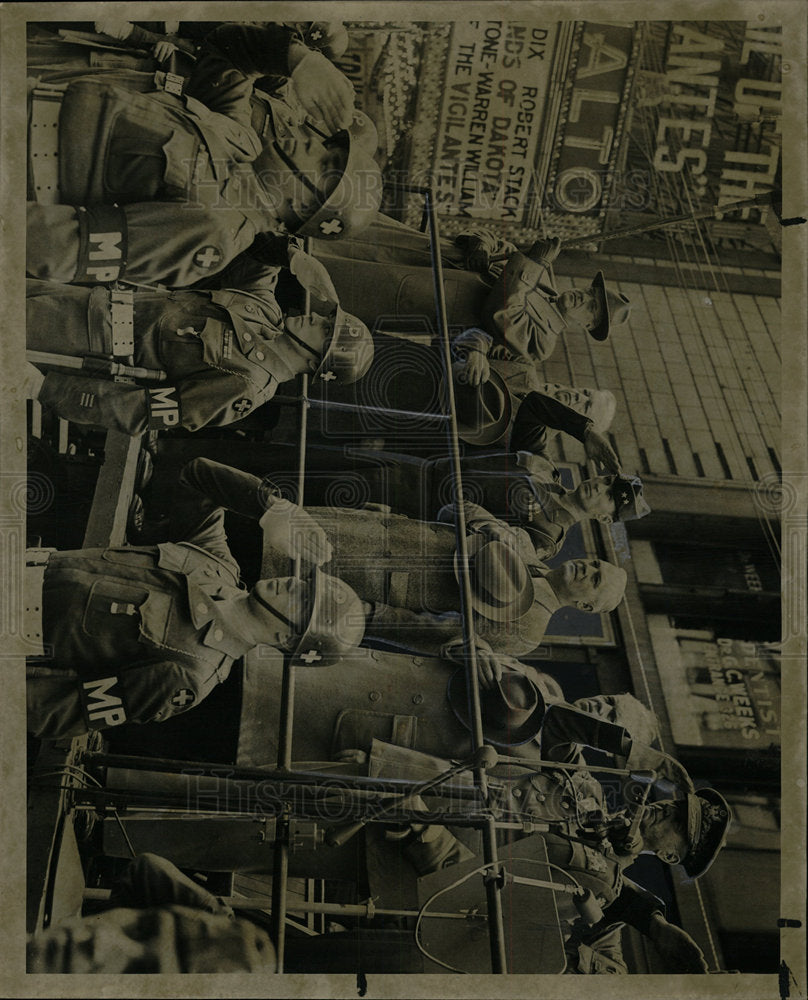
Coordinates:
<point>501,584</point>
<point>614,307</point>
<point>708,816</point>
<point>512,711</point>
<point>629,503</point>
<point>484,411</point>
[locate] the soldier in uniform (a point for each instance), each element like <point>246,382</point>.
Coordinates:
<point>140,634</point>
<point>222,353</point>
<point>517,488</point>
<point>594,846</point>
<point>224,182</point>
<point>405,570</point>
<point>520,312</point>
<point>690,832</point>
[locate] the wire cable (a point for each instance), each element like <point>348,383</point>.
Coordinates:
<point>440,892</point>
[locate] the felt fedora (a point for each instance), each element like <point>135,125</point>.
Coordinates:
<point>512,710</point>
<point>501,585</point>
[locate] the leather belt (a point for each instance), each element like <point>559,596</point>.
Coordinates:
<point>122,307</point>
<point>33,580</point>
<point>43,144</point>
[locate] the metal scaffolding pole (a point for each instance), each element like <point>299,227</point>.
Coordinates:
<point>280,868</point>
<point>495,921</point>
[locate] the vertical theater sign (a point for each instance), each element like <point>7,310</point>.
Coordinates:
<point>578,127</point>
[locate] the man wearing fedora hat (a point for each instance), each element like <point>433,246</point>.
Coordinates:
<point>486,413</point>
<point>539,722</point>
<point>524,317</point>
<point>405,571</point>
<point>513,601</point>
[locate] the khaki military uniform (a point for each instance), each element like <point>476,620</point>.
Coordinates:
<point>119,146</point>
<point>386,274</point>
<point>135,634</point>
<point>171,188</point>
<point>224,353</point>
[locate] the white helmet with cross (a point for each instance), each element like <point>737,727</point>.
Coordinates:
<point>336,626</point>
<point>354,202</point>
<point>349,352</point>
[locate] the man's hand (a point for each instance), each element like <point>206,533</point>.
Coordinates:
<point>324,92</point>
<point>497,531</point>
<point>625,844</point>
<point>489,669</point>
<point>313,276</point>
<point>599,450</point>
<point>164,50</point>
<point>489,665</point>
<point>476,254</point>
<point>645,758</point>
<point>294,532</point>
<point>545,251</point>
<point>476,369</point>
<point>351,756</point>
<point>676,946</point>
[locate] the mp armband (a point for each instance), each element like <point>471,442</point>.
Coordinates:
<point>102,703</point>
<point>164,407</point>
<point>103,241</point>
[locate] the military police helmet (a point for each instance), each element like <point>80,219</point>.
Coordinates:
<point>329,37</point>
<point>349,352</point>
<point>354,202</point>
<point>336,625</point>
<point>363,132</point>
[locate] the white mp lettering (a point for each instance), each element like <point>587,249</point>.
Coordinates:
<point>164,406</point>
<point>107,246</point>
<point>103,707</point>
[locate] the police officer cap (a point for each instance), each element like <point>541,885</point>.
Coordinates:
<point>708,816</point>
<point>629,503</point>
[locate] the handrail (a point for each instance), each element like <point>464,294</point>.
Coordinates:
<point>280,864</point>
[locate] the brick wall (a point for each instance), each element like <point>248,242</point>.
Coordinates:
<point>697,380</point>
